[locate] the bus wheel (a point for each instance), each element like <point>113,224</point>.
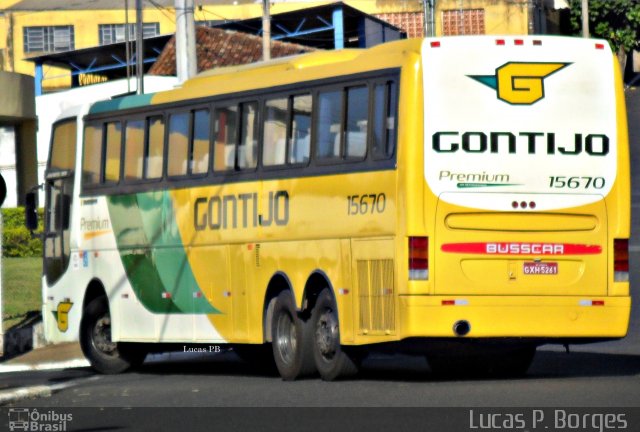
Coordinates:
<point>291,340</point>
<point>332,361</point>
<point>105,356</point>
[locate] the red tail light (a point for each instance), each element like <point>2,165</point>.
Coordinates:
<point>621,260</point>
<point>418,258</point>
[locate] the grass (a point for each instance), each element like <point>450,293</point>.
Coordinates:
<point>21,288</point>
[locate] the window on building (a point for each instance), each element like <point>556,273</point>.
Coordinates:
<point>112,33</point>
<point>463,22</point>
<point>48,39</point>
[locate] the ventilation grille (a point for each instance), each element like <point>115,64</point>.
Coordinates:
<point>377,304</point>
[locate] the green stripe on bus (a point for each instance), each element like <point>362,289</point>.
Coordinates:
<point>121,103</point>
<point>153,254</point>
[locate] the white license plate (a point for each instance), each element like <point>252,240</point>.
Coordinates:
<point>540,268</point>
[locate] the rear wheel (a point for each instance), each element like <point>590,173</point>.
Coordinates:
<point>332,360</point>
<point>105,356</point>
<point>291,340</point>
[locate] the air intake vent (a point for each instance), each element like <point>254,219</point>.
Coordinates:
<point>377,304</point>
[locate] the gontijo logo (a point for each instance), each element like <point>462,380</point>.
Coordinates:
<point>520,83</point>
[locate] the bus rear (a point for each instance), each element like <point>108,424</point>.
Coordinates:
<point>527,205</point>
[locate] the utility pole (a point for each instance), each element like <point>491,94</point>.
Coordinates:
<point>127,44</point>
<point>428,8</point>
<point>186,63</point>
<point>266,31</point>
<point>139,49</point>
<point>585,18</point>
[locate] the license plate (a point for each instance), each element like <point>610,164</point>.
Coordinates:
<point>540,268</point>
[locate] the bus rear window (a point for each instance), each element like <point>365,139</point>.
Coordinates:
<point>63,146</point>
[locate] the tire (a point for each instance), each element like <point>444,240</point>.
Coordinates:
<point>332,360</point>
<point>291,340</point>
<point>105,356</point>
<point>504,362</point>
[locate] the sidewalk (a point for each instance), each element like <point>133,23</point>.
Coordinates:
<point>56,356</point>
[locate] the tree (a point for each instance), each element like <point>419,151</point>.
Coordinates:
<point>617,21</point>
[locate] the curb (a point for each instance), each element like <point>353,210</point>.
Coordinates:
<point>24,337</point>
<point>69,364</point>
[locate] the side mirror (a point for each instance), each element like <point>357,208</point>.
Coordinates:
<point>31,210</point>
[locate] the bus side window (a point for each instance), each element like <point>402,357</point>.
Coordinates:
<point>200,142</point>
<point>384,119</point>
<point>133,150</point>
<point>225,133</point>
<point>92,155</point>
<point>357,122</point>
<point>248,146</point>
<point>275,132</point>
<point>299,141</point>
<point>155,147</point>
<point>114,145</point>
<point>329,127</point>
<point>178,145</point>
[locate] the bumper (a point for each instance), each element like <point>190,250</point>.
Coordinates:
<point>522,316</point>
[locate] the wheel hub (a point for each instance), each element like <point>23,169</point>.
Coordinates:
<point>286,338</point>
<point>102,336</point>
<point>327,334</point>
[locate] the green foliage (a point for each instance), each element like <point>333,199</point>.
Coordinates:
<point>22,279</point>
<point>617,21</point>
<point>16,238</point>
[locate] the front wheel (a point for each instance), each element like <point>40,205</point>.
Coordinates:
<point>332,360</point>
<point>105,356</point>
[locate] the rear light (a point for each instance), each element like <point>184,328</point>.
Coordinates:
<point>621,260</point>
<point>418,258</point>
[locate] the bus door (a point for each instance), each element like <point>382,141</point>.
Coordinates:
<point>58,199</point>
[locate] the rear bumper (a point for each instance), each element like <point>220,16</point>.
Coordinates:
<point>522,316</point>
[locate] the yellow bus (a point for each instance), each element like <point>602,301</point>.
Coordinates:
<point>463,198</point>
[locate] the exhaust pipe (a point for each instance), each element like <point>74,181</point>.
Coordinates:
<point>461,328</point>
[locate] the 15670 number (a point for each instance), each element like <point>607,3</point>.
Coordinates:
<point>366,204</point>
<point>563,182</point>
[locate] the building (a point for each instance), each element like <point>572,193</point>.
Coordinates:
<point>35,27</point>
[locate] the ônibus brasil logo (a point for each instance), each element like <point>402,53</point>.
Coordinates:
<point>520,83</point>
